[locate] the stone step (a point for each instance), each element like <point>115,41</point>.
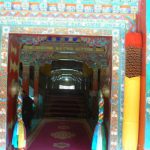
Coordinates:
<point>58,114</point>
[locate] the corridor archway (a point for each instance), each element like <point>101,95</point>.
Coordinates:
<point>66,63</point>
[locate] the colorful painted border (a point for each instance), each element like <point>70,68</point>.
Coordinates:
<point>77,26</point>
<point>97,6</point>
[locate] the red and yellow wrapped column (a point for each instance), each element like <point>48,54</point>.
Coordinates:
<point>133,45</point>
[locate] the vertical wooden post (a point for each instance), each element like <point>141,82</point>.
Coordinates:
<point>36,83</point>
<point>95,80</point>
<point>25,82</point>
<point>94,91</point>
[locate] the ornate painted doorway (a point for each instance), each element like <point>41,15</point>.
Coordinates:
<point>63,23</point>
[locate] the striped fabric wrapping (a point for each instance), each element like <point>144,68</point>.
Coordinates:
<point>101,108</point>
<point>19,107</point>
<point>99,137</point>
<point>19,132</point>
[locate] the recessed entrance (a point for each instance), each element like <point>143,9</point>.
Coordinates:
<point>62,74</point>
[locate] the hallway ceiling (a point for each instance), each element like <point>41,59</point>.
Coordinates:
<point>36,40</point>
<point>73,65</point>
<point>66,67</point>
<point>46,48</point>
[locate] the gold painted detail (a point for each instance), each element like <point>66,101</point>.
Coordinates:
<point>63,48</point>
<point>13,50</point>
<point>13,66</point>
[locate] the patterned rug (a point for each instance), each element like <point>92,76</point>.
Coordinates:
<point>61,135</point>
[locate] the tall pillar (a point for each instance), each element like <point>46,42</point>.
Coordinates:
<point>95,80</point>
<point>36,83</point>
<point>94,91</point>
<point>25,81</point>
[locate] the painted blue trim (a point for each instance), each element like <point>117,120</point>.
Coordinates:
<point>147,126</point>
<point>147,122</point>
<point>148,15</point>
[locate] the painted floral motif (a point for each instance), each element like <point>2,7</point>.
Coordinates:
<point>61,145</point>
<point>62,135</point>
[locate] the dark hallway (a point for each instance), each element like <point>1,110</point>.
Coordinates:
<point>67,89</point>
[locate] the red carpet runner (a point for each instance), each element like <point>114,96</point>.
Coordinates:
<point>62,135</point>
